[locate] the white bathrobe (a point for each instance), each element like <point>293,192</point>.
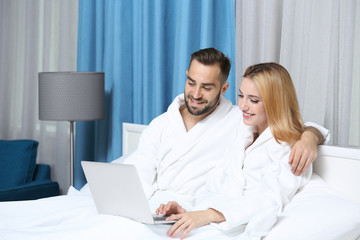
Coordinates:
<point>171,159</point>
<point>173,163</point>
<point>252,185</point>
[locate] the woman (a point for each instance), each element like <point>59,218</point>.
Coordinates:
<point>254,182</point>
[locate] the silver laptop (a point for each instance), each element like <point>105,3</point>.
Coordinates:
<point>117,190</point>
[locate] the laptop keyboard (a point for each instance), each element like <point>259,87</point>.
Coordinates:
<point>159,218</point>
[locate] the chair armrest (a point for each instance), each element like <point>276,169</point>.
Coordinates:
<point>42,171</point>
<point>31,191</point>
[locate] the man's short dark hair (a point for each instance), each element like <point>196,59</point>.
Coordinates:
<point>212,56</point>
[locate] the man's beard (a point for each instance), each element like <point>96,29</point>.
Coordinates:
<point>208,107</point>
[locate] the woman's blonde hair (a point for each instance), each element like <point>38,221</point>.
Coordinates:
<point>279,98</point>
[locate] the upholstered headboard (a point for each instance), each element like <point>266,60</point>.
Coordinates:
<point>338,166</point>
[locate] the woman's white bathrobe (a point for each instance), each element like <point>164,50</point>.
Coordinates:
<point>252,185</point>
<point>170,159</point>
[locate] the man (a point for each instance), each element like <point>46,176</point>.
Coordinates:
<point>182,145</point>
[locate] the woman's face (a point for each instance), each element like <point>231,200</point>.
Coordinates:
<point>252,106</point>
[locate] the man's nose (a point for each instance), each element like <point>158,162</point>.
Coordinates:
<point>197,92</point>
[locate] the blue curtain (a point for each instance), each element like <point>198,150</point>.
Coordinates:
<point>144,48</point>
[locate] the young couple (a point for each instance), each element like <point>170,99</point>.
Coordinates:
<point>229,167</point>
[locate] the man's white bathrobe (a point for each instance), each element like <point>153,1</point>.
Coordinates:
<point>252,185</point>
<point>173,160</point>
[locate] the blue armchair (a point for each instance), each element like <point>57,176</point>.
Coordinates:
<point>20,177</point>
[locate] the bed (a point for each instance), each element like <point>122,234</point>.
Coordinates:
<point>328,208</point>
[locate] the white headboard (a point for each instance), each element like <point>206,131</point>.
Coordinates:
<point>338,166</point>
<point>131,137</point>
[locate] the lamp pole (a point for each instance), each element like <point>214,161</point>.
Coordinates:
<point>72,153</point>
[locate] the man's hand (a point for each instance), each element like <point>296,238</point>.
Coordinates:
<point>304,151</point>
<point>191,220</point>
<point>170,208</point>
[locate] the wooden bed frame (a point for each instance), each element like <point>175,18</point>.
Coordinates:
<point>338,166</point>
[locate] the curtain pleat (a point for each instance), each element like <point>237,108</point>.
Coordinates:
<point>318,43</point>
<point>144,49</point>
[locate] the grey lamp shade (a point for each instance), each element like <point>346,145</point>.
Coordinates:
<point>71,96</point>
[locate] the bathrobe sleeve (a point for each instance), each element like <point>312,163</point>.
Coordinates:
<point>145,157</point>
<point>325,132</point>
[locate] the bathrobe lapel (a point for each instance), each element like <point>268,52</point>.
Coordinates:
<point>188,140</point>
<point>264,137</point>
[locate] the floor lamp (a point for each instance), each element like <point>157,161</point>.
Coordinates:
<point>71,96</point>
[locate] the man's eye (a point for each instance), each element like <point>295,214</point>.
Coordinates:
<point>191,84</point>
<point>207,88</point>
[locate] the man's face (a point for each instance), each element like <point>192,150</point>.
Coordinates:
<point>202,88</point>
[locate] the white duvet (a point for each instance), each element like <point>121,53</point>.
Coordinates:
<point>74,216</point>
<point>316,213</point>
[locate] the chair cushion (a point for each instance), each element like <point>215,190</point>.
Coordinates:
<point>17,162</point>
<point>30,191</point>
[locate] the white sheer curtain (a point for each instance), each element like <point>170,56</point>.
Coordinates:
<point>318,41</point>
<point>36,36</point>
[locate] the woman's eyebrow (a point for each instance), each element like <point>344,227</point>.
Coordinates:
<point>253,96</point>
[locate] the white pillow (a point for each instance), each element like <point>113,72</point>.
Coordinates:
<point>318,212</point>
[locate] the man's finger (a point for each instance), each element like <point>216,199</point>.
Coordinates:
<point>180,209</point>
<point>300,166</point>
<point>295,162</point>
<point>312,157</point>
<point>159,210</point>
<point>308,163</point>
<point>291,158</point>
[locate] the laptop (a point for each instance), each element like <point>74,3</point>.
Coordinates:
<point>117,190</point>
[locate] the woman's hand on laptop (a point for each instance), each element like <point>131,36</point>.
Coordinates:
<point>171,207</point>
<point>191,220</point>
